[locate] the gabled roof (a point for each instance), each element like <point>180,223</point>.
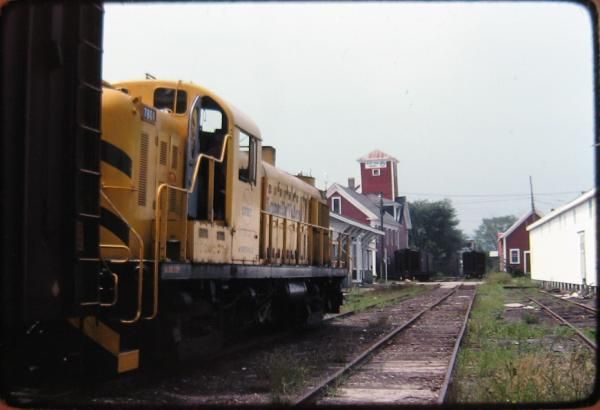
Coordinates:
<point>570,205</point>
<point>377,155</point>
<point>362,202</point>
<point>518,223</point>
<point>351,196</point>
<point>403,208</point>
<point>356,224</point>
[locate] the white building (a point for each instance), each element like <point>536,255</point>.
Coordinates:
<point>362,249</point>
<point>563,245</point>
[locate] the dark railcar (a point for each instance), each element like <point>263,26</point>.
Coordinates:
<point>412,264</point>
<point>474,264</point>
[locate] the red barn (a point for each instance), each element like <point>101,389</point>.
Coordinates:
<point>513,245</point>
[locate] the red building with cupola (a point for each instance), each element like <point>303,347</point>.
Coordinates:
<point>388,213</point>
<point>378,174</point>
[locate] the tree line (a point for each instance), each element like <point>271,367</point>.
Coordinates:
<point>435,230</point>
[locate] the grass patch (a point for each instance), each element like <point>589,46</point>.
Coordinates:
<point>502,278</point>
<point>528,377</point>
<point>359,299</point>
<point>590,332</point>
<point>518,360</point>
<point>285,375</point>
<point>525,281</point>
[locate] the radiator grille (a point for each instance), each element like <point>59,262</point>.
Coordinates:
<point>173,201</point>
<point>143,170</point>
<point>163,153</point>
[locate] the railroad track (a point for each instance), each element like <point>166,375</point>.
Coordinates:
<point>586,307</point>
<point>262,341</point>
<point>244,373</point>
<point>575,315</point>
<point>412,363</point>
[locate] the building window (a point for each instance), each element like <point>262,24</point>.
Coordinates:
<point>376,172</point>
<point>515,256</point>
<point>336,205</point>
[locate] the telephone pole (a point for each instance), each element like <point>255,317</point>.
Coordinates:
<point>531,194</point>
<point>383,237</point>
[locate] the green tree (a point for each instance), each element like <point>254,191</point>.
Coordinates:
<point>486,235</point>
<point>434,230</point>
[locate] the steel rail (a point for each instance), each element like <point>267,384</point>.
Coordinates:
<point>448,377</point>
<point>261,341</point>
<point>315,391</point>
<point>589,342</point>
<point>353,312</point>
<point>586,307</point>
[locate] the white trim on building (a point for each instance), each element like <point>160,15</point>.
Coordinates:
<point>515,256</point>
<point>336,199</point>
<point>338,189</point>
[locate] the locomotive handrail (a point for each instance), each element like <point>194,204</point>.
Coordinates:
<point>343,249</point>
<point>114,275</point>
<point>157,218</point>
<point>298,223</point>
<point>125,188</point>
<point>115,292</point>
<point>111,246</point>
<point>308,224</point>
<point>138,312</point>
<point>295,220</point>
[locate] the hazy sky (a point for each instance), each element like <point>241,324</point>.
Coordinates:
<point>471,98</point>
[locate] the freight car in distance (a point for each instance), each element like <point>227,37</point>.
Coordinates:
<point>473,264</point>
<point>412,264</point>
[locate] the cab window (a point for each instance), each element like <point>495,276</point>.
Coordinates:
<point>248,144</point>
<point>164,98</point>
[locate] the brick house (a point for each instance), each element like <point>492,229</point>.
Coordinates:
<point>513,244</point>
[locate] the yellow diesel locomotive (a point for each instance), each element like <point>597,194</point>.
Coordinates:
<point>139,219</point>
<point>201,236</point>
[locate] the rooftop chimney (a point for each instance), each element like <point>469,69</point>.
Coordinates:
<point>306,178</point>
<point>351,184</point>
<point>268,154</point>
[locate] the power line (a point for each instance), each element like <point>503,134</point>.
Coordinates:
<point>523,195</point>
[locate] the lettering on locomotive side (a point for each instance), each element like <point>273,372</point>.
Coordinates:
<point>246,249</point>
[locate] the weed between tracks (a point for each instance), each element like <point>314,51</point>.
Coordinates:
<point>360,299</point>
<point>518,361</point>
<point>285,375</point>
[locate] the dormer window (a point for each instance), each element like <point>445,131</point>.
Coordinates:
<point>336,205</point>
